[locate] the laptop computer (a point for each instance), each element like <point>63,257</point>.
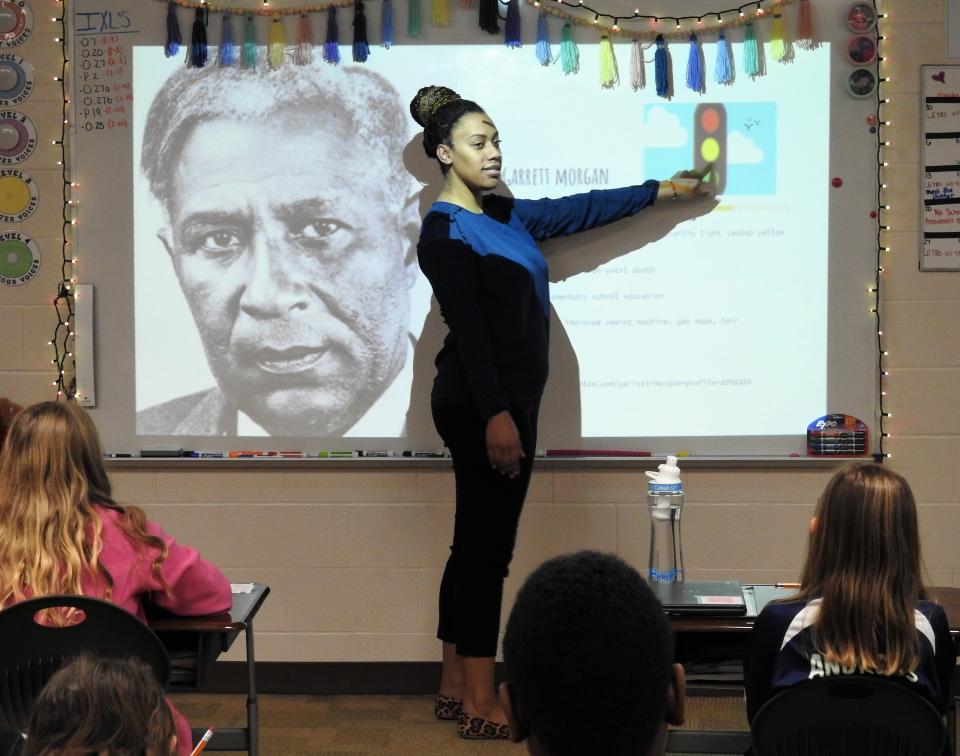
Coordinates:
<point>701,597</point>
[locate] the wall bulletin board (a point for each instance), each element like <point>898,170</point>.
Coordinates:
<point>940,180</point>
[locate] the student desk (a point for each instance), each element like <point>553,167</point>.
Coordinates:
<point>194,643</point>
<point>715,639</point>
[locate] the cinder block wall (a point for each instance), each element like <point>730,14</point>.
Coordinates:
<point>354,559</point>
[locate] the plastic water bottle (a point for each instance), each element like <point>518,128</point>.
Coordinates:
<point>665,498</point>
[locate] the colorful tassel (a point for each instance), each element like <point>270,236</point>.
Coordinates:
<point>751,51</point>
<point>638,75</point>
<point>661,68</point>
<point>226,50</point>
<point>331,48</point>
<point>386,24</point>
<point>276,43</point>
<point>780,47</point>
<point>413,19</point>
<point>805,35</point>
<point>489,16</point>
<point>609,76</point>
<point>361,48</point>
<point>249,59</point>
<point>174,38</point>
<point>569,54</point>
<point>723,72</point>
<point>303,55</point>
<point>543,40</point>
<point>198,39</point>
<point>694,67</point>
<point>440,12</point>
<point>511,29</point>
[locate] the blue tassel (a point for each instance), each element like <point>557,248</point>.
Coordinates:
<point>226,52</point>
<point>361,48</point>
<point>386,24</point>
<point>511,30</point>
<point>249,42</point>
<point>661,64</point>
<point>694,69</point>
<point>174,39</point>
<point>543,40</point>
<point>331,48</point>
<point>751,52</point>
<point>198,40</point>
<point>723,71</point>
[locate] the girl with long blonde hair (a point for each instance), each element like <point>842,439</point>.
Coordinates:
<point>62,532</point>
<point>862,606</point>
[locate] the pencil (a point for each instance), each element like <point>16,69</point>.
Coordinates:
<point>203,742</point>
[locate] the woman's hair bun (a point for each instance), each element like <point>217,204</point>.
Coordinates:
<point>429,100</point>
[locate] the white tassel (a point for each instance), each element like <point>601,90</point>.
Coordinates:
<point>638,75</point>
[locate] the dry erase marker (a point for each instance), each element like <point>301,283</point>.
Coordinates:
<point>204,455</point>
<point>423,454</point>
<point>368,453</point>
<point>237,454</point>
<point>291,454</point>
<point>787,585</point>
<point>203,742</point>
<point>120,455</point>
<point>337,454</point>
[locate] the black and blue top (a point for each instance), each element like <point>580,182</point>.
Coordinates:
<point>491,283</point>
<point>782,653</point>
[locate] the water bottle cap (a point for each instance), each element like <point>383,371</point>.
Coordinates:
<point>666,473</point>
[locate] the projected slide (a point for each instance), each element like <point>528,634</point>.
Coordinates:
<point>275,219</point>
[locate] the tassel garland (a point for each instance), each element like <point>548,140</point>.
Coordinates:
<point>198,39</point>
<point>226,51</point>
<point>638,76</point>
<point>331,47</point>
<point>174,39</point>
<point>661,68</point>
<point>386,24</point>
<point>413,19</point>
<point>751,52</point>
<point>609,77</point>
<point>276,43</point>
<point>511,29</point>
<point>694,67</point>
<point>440,12</point>
<point>543,40</point>
<point>249,59</point>
<point>361,48</point>
<point>303,55</point>
<point>723,70</point>
<point>805,34</point>
<point>489,15</point>
<point>569,54</point>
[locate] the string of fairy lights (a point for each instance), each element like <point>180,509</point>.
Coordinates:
<point>63,302</point>
<point>882,228</point>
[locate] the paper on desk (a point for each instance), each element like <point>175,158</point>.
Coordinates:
<point>241,587</point>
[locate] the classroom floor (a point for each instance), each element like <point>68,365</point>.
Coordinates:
<point>385,725</point>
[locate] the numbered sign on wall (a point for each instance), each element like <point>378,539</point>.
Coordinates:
<point>940,180</point>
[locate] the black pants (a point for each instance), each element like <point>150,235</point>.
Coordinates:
<point>488,508</point>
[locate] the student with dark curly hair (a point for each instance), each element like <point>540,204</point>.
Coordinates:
<point>589,661</point>
<point>102,706</point>
<point>480,254</point>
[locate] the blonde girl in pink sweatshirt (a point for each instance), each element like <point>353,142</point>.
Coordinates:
<point>61,532</point>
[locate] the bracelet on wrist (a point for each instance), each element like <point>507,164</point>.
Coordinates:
<point>673,188</point>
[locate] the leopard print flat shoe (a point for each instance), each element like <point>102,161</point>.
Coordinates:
<point>478,728</point>
<point>447,707</point>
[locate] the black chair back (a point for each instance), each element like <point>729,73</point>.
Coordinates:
<point>30,652</point>
<point>855,715</point>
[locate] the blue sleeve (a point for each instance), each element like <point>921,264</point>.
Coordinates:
<point>946,654</point>
<point>546,218</point>
<point>762,653</point>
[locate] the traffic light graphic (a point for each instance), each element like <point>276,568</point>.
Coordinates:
<point>710,142</point>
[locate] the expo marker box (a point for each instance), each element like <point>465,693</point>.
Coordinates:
<point>837,436</point>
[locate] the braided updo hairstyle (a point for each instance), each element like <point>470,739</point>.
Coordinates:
<point>438,109</point>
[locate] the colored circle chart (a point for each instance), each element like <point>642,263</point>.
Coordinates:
<point>18,137</point>
<point>19,258</point>
<point>16,22</point>
<point>16,79</point>
<point>18,195</point>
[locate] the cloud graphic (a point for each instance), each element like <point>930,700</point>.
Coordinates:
<point>663,129</point>
<point>742,149</point>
